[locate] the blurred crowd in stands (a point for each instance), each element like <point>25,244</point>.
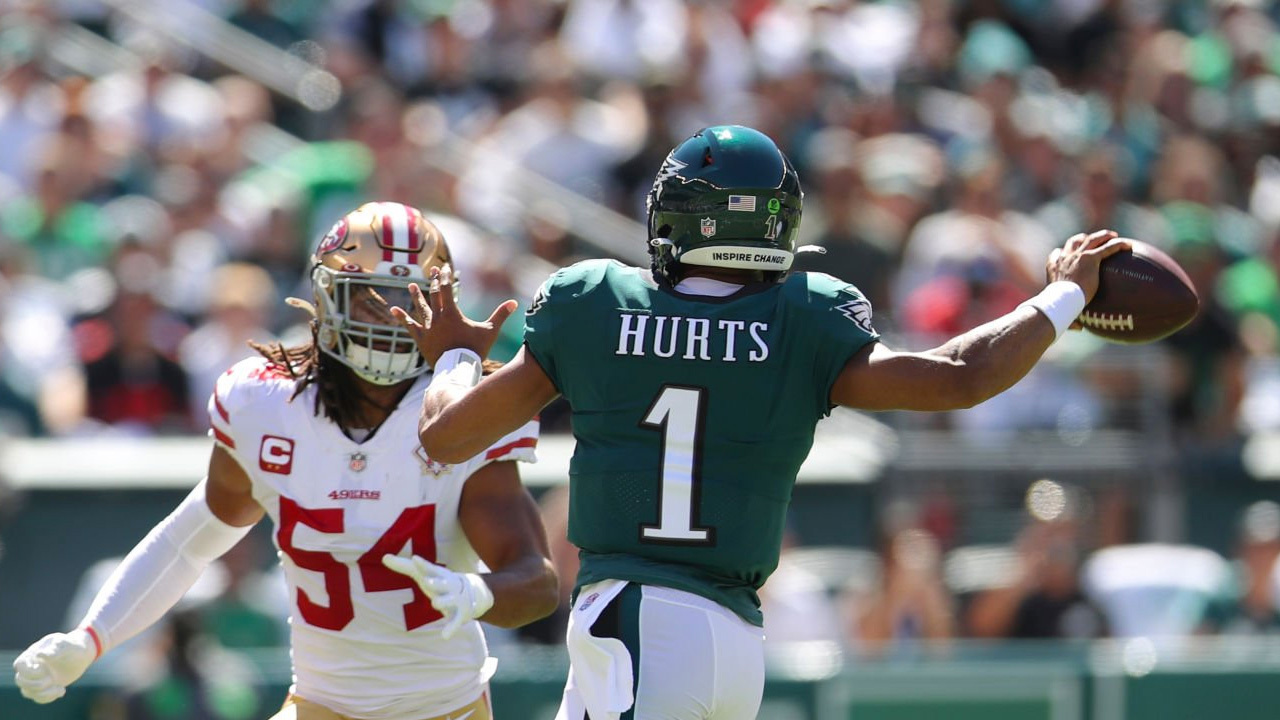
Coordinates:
<point>945,147</point>
<point>156,206</point>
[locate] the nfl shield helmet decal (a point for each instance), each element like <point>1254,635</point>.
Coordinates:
<point>708,227</point>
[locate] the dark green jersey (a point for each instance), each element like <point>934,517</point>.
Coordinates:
<point>692,415</point>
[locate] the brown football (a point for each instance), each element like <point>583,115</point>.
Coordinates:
<point>1142,296</point>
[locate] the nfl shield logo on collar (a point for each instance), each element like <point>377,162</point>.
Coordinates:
<point>358,462</point>
<point>708,227</point>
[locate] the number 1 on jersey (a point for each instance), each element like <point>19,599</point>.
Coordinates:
<point>678,413</point>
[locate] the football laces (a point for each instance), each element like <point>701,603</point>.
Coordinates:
<point>1107,321</point>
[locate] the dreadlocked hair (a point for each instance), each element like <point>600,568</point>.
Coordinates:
<point>338,394</point>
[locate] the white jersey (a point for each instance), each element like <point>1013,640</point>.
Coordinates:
<point>366,641</point>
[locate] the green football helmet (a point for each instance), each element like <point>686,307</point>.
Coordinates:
<point>726,197</point>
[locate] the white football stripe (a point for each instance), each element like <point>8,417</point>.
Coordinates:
<point>399,216</point>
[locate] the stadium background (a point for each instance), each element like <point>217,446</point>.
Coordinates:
<point>1099,542</point>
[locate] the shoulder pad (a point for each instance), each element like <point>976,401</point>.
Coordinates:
<point>819,292</point>
<point>586,273</point>
<point>581,278</point>
<point>245,384</point>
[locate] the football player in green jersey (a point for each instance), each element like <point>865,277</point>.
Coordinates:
<point>695,385</point>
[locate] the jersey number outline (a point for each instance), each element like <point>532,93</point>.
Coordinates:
<point>679,412</point>
<point>771,227</point>
<point>415,527</point>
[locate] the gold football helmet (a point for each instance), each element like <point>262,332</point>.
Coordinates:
<point>362,267</point>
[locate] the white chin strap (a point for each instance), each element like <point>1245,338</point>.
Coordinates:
<point>394,367</point>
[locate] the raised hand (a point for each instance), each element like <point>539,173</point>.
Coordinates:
<point>460,597</point>
<point>1079,259</point>
<point>436,324</point>
<point>44,670</point>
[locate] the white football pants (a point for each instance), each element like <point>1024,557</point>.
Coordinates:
<point>643,652</point>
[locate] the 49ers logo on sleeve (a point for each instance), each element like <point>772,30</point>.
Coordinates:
<point>276,454</point>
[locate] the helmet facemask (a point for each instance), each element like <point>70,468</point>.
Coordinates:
<point>357,328</point>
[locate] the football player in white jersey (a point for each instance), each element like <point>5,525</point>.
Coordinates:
<point>390,556</point>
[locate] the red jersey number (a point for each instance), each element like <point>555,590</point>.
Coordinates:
<point>414,527</point>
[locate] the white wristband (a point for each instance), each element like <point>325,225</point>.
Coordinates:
<point>458,366</point>
<point>1061,301</point>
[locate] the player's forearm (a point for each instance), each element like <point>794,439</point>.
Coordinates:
<point>522,592</point>
<point>445,434</point>
<point>448,432</point>
<point>459,422</point>
<point>990,358</point>
<point>159,570</point>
